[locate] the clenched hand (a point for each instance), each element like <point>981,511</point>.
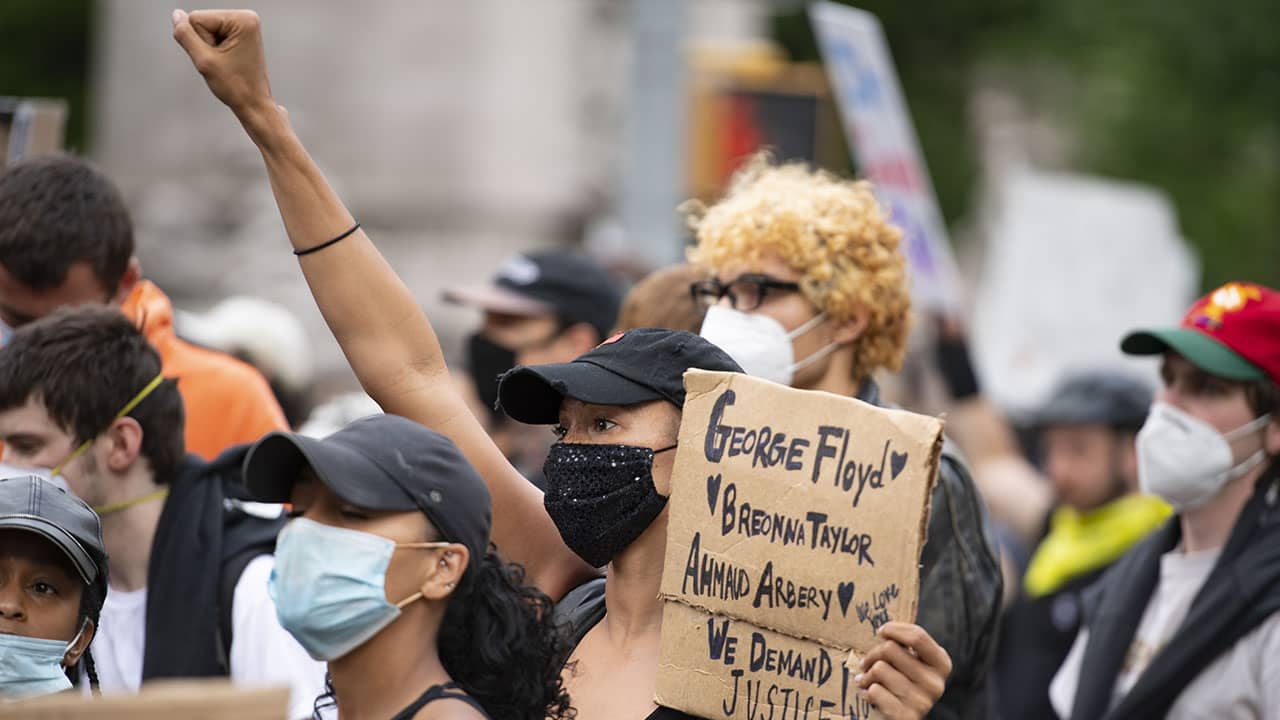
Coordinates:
<point>226,48</point>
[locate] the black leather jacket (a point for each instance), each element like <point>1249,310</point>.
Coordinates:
<point>960,584</point>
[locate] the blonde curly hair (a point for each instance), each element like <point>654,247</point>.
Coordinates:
<point>832,231</point>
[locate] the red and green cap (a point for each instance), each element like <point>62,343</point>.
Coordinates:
<point>1233,332</point>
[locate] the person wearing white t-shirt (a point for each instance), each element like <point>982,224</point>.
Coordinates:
<point>1187,624</point>
<point>81,393</point>
<point>262,652</point>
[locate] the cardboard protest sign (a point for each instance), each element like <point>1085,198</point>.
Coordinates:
<point>883,141</point>
<point>795,528</point>
<point>187,699</point>
<point>718,667</point>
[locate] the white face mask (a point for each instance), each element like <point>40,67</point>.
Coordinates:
<point>13,471</point>
<point>1185,461</point>
<point>759,343</point>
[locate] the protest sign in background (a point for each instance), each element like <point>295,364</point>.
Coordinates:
<point>164,700</point>
<point>30,127</point>
<point>1073,263</point>
<point>884,145</point>
<point>795,529</point>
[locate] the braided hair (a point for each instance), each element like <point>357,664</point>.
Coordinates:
<point>91,600</point>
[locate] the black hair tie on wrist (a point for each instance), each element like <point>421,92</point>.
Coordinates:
<point>327,243</point>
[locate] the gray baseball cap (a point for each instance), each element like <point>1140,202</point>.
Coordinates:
<point>1097,396</point>
<point>31,503</point>
<point>381,463</point>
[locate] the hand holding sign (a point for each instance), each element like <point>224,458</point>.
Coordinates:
<point>906,674</point>
<point>226,48</point>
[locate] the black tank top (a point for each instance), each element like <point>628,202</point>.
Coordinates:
<point>666,713</point>
<point>447,691</point>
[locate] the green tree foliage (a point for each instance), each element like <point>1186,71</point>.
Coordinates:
<point>44,52</point>
<point>1182,95</point>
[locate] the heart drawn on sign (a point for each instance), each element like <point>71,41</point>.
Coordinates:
<point>897,463</point>
<point>845,592</point>
<point>713,492</point>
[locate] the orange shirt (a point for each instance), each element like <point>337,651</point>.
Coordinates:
<point>227,402</point>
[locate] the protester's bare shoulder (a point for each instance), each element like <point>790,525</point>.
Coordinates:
<point>608,681</point>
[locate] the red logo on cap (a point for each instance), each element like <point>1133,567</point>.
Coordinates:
<point>613,339</point>
<point>1229,298</point>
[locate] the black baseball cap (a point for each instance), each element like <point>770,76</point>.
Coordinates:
<point>383,463</point>
<point>28,502</point>
<point>1102,397</point>
<point>572,287</point>
<point>631,367</point>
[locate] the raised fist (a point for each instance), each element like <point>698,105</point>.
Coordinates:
<point>226,48</point>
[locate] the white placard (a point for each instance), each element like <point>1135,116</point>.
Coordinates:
<point>883,141</point>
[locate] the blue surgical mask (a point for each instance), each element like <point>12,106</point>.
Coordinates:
<point>32,666</point>
<point>329,586</point>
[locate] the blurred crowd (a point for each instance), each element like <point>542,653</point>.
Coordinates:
<point>177,501</point>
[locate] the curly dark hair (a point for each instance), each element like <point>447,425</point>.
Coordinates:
<point>500,643</point>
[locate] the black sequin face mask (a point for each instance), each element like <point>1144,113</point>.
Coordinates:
<point>601,497</point>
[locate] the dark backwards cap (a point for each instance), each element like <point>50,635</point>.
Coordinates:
<point>631,367</point>
<point>382,463</point>
<point>32,503</point>
<point>572,287</point>
<point>1103,397</point>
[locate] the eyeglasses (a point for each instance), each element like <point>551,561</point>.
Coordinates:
<point>746,293</point>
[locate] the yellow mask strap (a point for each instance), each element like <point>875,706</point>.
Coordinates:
<point>105,510</point>
<point>128,408</point>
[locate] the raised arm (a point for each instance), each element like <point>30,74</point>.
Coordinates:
<point>385,335</point>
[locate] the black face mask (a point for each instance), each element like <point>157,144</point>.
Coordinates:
<point>601,497</point>
<point>486,360</point>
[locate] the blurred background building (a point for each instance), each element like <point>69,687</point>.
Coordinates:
<point>457,132</point>
<point>1072,145</point>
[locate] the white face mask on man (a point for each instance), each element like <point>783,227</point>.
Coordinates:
<point>15,471</point>
<point>1186,461</point>
<point>759,343</point>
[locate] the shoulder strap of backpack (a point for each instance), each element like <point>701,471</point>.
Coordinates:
<point>581,609</point>
<point>246,536</point>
